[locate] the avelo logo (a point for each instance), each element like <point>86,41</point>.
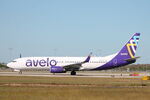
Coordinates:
<point>42,62</point>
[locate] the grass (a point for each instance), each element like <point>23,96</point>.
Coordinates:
<point>73,93</point>
<point>73,88</point>
<point>74,81</point>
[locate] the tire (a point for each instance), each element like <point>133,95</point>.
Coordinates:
<point>73,73</point>
<point>20,72</point>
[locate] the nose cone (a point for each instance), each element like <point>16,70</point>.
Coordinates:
<point>9,65</point>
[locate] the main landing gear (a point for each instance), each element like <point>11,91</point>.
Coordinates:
<point>73,72</point>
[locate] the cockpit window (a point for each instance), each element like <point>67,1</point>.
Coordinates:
<point>14,61</point>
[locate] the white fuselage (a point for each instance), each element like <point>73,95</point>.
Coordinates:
<point>47,62</point>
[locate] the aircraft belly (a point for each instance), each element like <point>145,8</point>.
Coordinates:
<point>89,66</point>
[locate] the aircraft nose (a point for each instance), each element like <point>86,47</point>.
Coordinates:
<point>9,65</point>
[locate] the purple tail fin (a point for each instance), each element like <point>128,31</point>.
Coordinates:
<point>129,50</point>
<point>125,56</point>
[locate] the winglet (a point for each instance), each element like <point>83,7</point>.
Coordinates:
<point>88,58</point>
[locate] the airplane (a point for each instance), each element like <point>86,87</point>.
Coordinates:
<point>63,64</point>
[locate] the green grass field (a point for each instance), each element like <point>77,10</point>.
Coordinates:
<point>72,88</point>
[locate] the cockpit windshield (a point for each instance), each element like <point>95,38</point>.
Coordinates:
<point>14,61</point>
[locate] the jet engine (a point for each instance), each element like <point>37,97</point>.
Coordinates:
<point>57,69</point>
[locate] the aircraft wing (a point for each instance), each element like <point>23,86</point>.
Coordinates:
<point>76,66</point>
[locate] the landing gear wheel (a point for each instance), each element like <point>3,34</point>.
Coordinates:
<point>73,73</point>
<point>20,72</point>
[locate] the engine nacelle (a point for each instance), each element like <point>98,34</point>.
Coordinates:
<point>57,69</point>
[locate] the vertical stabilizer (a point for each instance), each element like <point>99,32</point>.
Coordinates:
<point>125,56</point>
<point>129,50</point>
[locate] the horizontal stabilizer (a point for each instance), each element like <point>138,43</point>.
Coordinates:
<point>132,59</point>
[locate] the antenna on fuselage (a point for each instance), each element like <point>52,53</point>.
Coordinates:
<point>20,55</point>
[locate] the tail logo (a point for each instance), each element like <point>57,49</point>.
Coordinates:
<point>132,45</point>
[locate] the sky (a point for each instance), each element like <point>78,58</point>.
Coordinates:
<point>72,27</point>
